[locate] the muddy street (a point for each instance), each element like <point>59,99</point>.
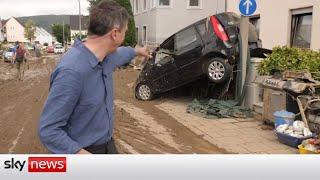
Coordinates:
<point>140,127</point>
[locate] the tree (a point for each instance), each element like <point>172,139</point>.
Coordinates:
<point>29,30</point>
<point>57,30</point>
<point>130,39</point>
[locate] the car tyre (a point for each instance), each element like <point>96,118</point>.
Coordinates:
<point>143,92</point>
<point>218,70</point>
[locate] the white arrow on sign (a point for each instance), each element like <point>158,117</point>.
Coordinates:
<point>247,3</point>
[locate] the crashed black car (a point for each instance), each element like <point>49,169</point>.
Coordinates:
<point>208,47</point>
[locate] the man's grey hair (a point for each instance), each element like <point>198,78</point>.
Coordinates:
<point>105,16</point>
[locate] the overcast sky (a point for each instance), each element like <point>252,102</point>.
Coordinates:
<point>19,8</point>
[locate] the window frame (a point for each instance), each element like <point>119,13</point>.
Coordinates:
<point>294,26</point>
<point>144,39</point>
<point>194,7</point>
<point>144,5</point>
<point>137,33</point>
<point>136,6</point>
<point>164,6</point>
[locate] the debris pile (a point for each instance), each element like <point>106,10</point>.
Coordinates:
<point>297,130</point>
<point>215,109</point>
<point>312,145</point>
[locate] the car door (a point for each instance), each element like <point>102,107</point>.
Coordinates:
<point>188,51</point>
<point>165,74</point>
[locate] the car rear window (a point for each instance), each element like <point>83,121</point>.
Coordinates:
<point>231,18</point>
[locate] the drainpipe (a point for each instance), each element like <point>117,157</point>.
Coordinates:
<point>225,5</point>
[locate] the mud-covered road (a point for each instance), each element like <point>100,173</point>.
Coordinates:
<point>140,127</point>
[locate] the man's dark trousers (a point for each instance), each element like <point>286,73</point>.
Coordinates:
<point>108,148</point>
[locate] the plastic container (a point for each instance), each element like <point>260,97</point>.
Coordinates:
<point>302,150</point>
<point>290,140</point>
<point>283,117</point>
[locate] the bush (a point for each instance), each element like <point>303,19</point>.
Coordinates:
<point>294,59</point>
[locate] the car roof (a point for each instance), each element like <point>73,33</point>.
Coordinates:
<point>197,22</point>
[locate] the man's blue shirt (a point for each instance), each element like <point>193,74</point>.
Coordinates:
<point>79,109</point>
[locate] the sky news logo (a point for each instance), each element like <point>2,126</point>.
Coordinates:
<point>38,164</point>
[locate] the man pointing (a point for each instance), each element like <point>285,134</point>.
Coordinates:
<point>78,114</point>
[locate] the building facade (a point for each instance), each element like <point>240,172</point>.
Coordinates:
<point>15,30</point>
<point>42,36</point>
<point>294,23</point>
<point>1,31</point>
<point>158,19</point>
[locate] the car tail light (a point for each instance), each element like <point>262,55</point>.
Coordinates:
<point>218,29</point>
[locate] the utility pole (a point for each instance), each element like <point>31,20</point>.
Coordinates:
<point>80,34</point>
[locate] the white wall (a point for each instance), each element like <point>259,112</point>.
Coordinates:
<point>275,19</point>
<point>162,22</point>
<point>146,18</point>
<point>43,36</point>
<point>15,31</point>
<point>1,34</point>
<point>171,20</point>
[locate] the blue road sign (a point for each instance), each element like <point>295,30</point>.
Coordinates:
<point>247,7</point>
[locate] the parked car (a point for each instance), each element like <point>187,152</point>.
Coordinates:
<point>8,54</point>
<point>208,47</point>
<point>50,49</point>
<point>58,49</point>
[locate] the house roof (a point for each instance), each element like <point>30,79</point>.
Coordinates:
<point>74,22</point>
<point>3,22</point>
<point>20,22</point>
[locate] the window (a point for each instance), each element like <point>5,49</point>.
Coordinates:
<point>137,34</point>
<point>256,23</point>
<point>193,3</point>
<point>144,5</point>
<point>137,6</point>
<point>301,26</point>
<point>186,39</point>
<point>164,2</point>
<point>144,35</point>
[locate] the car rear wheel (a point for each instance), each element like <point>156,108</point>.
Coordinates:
<point>218,70</point>
<point>143,92</point>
